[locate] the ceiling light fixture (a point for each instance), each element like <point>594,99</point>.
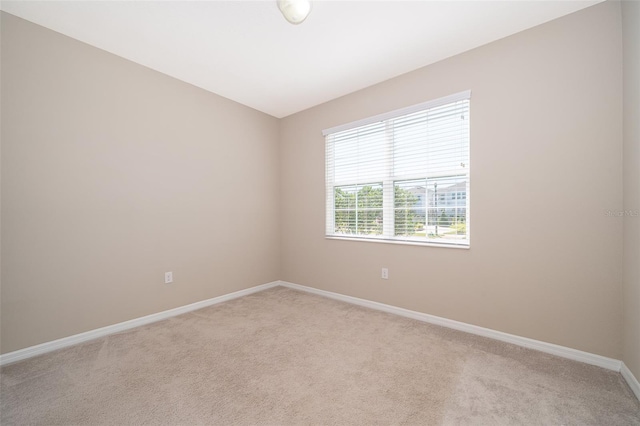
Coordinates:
<point>295,11</point>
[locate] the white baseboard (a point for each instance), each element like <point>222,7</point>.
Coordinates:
<point>562,351</point>
<point>631,380</point>
<point>550,348</point>
<point>115,328</point>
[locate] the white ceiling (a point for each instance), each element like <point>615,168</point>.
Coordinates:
<point>246,51</point>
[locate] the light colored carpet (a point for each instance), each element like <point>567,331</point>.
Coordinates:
<point>283,357</point>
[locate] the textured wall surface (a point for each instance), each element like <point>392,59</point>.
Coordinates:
<point>113,174</point>
<point>546,166</point>
<point>631,34</point>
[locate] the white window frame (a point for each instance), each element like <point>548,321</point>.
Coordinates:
<point>389,181</point>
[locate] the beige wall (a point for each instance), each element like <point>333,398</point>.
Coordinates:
<point>631,35</point>
<point>110,171</point>
<point>545,260</point>
<point>113,174</point>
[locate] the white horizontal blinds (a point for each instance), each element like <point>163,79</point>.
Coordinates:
<point>359,154</point>
<point>431,153</point>
<point>357,172</point>
<point>432,143</point>
<point>403,178</point>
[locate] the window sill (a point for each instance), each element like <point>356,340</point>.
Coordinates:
<point>399,242</point>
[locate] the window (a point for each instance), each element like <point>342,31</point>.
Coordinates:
<point>402,176</point>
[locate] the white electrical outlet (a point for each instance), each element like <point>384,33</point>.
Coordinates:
<point>385,274</point>
<point>168,277</point>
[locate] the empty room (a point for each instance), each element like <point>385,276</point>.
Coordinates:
<point>318,212</point>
